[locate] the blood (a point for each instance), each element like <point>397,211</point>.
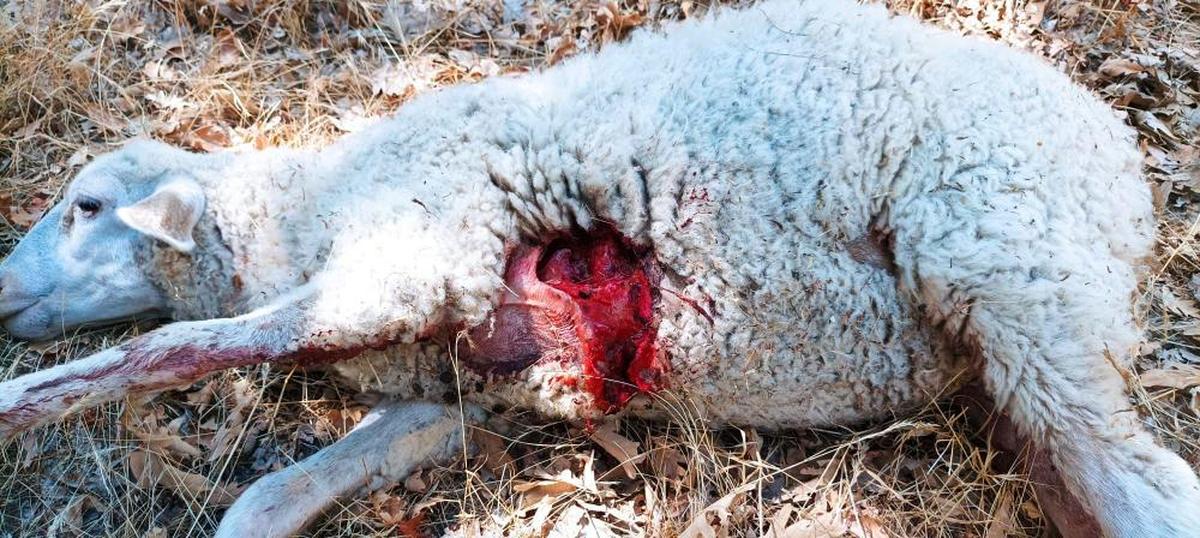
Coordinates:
<point>609,282</point>
<point>587,298</point>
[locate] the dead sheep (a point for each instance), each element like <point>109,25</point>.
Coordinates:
<point>795,215</point>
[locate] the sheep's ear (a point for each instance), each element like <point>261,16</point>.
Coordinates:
<point>169,214</point>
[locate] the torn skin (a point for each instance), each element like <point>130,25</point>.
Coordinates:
<point>581,298</point>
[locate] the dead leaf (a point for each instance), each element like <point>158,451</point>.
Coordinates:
<point>243,397</point>
<point>493,453</point>
<point>569,523</point>
<point>388,509</point>
<point>713,520</point>
<point>625,450</point>
<point>411,527</point>
<point>564,50</point>
<point>667,462</point>
<point>69,520</point>
<point>1179,305</point>
<point>207,137</point>
<point>615,22</point>
<point>81,64</point>
<point>1176,376</point>
<point>29,129</point>
<point>416,483</point>
<point>1149,122</point>
<point>106,119</point>
<point>342,420</point>
<point>1002,522</point>
<point>548,488</point>
<point>151,469</point>
<point>26,215</point>
<point>143,422</point>
<point>1119,67</point>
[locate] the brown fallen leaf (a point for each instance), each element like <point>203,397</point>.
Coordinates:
<point>143,421</point>
<point>208,137</point>
<point>547,488</point>
<point>416,483</point>
<point>150,469</point>
<point>1003,522</point>
<point>615,22</point>
<point>1175,376</point>
<point>26,215</point>
<point>342,420</point>
<point>667,462</point>
<point>387,508</point>
<point>493,453</point>
<point>1117,67</point>
<point>69,520</point>
<point>713,520</point>
<point>625,450</point>
<point>222,443</point>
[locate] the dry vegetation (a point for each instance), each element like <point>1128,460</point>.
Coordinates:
<point>78,78</point>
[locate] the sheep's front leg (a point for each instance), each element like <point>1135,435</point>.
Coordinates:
<point>392,441</point>
<point>171,356</point>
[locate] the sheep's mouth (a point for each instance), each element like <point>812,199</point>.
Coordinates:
<point>13,308</point>
<point>44,327</point>
<point>586,301</point>
<point>27,330</point>
<point>9,311</point>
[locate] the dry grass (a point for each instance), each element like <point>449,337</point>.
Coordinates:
<point>77,78</point>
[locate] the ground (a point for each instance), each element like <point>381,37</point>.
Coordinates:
<point>78,78</point>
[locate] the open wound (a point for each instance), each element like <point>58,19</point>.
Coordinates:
<point>584,298</point>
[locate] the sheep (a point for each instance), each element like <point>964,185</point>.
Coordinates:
<point>793,215</point>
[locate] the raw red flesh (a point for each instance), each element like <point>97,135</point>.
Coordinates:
<point>587,298</point>
<point>610,285</point>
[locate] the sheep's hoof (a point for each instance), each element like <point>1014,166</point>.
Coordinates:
<point>391,442</point>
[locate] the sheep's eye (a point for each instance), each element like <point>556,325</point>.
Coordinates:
<point>89,206</point>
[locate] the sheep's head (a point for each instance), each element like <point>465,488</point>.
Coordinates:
<point>79,265</point>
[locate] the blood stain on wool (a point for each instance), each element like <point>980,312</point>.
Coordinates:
<point>585,297</point>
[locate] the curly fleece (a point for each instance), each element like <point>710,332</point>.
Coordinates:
<point>865,207</point>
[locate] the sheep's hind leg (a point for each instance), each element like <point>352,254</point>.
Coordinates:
<point>1051,322</point>
<point>1054,499</point>
<point>392,441</point>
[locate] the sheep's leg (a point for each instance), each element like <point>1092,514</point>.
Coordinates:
<point>170,356</point>
<point>291,330</point>
<point>1050,319</point>
<point>391,442</point>
<point>1055,500</point>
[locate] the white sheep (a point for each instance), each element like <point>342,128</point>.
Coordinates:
<point>796,215</point>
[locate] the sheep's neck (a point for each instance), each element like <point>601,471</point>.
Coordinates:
<point>586,301</point>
